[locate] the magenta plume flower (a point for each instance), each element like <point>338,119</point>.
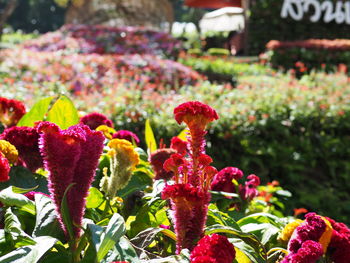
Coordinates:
<point>11,111</point>
<point>127,135</point>
<point>213,249</point>
<point>26,141</point>
<point>95,119</point>
<point>70,156</point>
<point>222,181</point>
<point>157,160</point>
<point>309,252</point>
<point>249,191</point>
<point>4,168</point>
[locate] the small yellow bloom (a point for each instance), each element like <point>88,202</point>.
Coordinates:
<point>9,151</point>
<point>326,236</point>
<point>107,131</point>
<point>125,151</point>
<point>288,230</point>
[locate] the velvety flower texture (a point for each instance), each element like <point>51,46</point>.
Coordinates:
<point>4,168</point>
<point>222,181</point>
<point>70,156</point>
<point>9,151</point>
<point>309,252</point>
<point>25,139</point>
<point>339,247</point>
<point>126,135</point>
<point>214,248</point>
<point>178,145</point>
<point>95,119</point>
<point>189,196</point>
<point>157,160</point>
<point>11,111</point>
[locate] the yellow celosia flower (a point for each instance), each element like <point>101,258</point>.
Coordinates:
<point>125,151</point>
<point>9,151</point>
<point>326,236</point>
<point>107,131</point>
<point>288,230</point>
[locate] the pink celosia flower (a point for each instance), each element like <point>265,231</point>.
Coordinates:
<point>93,120</point>
<point>11,111</point>
<point>25,139</point>
<point>70,156</point>
<point>339,247</point>
<point>249,191</point>
<point>222,181</point>
<point>214,248</point>
<point>189,196</point>
<point>309,252</point>
<point>179,145</point>
<point>157,160</point>
<point>127,135</point>
<point>4,168</point>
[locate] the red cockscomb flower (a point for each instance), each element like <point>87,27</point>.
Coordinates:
<point>222,181</point>
<point>127,135</point>
<point>157,160</point>
<point>179,145</point>
<point>93,120</point>
<point>11,111</point>
<point>309,252</point>
<point>25,139</point>
<point>249,191</point>
<point>214,248</point>
<point>70,156</point>
<point>4,168</point>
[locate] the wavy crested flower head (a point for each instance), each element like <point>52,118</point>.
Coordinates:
<point>195,114</point>
<point>288,230</point>
<point>106,130</point>
<point>309,252</point>
<point>339,247</point>
<point>70,156</point>
<point>127,156</point>
<point>93,120</point>
<point>249,191</point>
<point>11,111</point>
<point>9,151</point>
<point>214,248</point>
<point>190,207</point>
<point>4,168</point>
<point>179,145</point>
<point>223,180</point>
<point>126,135</point>
<point>157,160</point>
<point>25,139</point>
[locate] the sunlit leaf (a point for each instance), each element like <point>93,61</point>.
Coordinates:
<point>36,113</point>
<point>63,113</point>
<point>149,137</point>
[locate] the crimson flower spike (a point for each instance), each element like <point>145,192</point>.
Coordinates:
<point>189,196</point>
<point>70,156</point>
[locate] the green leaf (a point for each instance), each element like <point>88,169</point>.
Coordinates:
<point>19,190</point>
<point>146,237</point>
<point>261,218</point>
<point>65,213</point>
<point>95,198</point>
<point>149,137</point>
<point>9,198</point>
<point>36,113</point>
<point>138,182</point>
<point>46,218</point>
<point>122,251</point>
<point>113,232</point>
<point>248,238</point>
<point>63,113</point>
<point>31,253</point>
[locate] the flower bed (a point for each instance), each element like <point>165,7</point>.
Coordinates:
<point>98,198</point>
<point>321,54</point>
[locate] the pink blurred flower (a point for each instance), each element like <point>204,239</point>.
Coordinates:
<point>4,169</point>
<point>93,120</point>
<point>127,135</point>
<point>222,181</point>
<point>11,111</point>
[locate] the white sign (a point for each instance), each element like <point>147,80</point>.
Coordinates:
<point>338,12</point>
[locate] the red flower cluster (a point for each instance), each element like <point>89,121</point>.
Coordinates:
<point>93,120</point>
<point>25,139</point>
<point>157,160</point>
<point>336,44</point>
<point>309,252</point>
<point>4,169</point>
<point>213,249</point>
<point>339,247</point>
<point>223,180</point>
<point>11,111</point>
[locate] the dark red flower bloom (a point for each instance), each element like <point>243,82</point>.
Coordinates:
<point>214,248</point>
<point>179,145</point>
<point>93,120</point>
<point>11,111</point>
<point>70,156</point>
<point>157,160</point>
<point>249,191</point>
<point>223,179</point>
<point>309,252</point>
<point>4,169</point>
<point>127,135</point>
<point>25,139</point>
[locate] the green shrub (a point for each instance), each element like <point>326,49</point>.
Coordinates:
<point>218,52</point>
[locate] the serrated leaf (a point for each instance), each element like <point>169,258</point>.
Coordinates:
<point>149,137</point>
<point>114,231</point>
<point>9,198</point>
<point>94,199</point>
<point>63,113</point>
<point>36,113</point>
<point>31,253</point>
